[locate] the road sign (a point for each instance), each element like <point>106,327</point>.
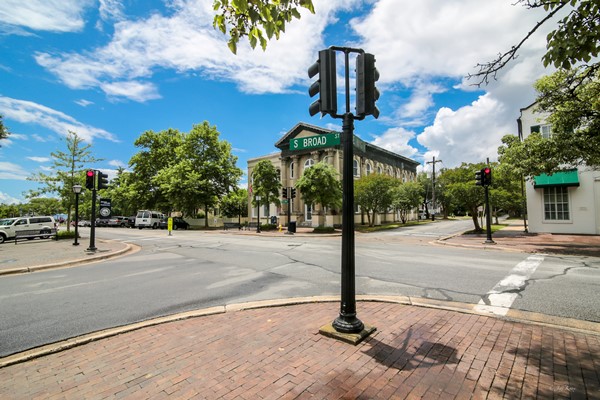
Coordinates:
<point>311,142</point>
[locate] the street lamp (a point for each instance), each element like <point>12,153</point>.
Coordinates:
<point>258,207</point>
<point>76,190</point>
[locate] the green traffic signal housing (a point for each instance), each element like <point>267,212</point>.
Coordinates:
<point>325,85</point>
<point>366,91</point>
<point>293,194</point>
<point>284,192</point>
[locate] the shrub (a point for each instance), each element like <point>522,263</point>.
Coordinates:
<point>65,234</point>
<point>324,229</point>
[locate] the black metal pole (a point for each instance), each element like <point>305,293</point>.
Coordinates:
<point>488,217</point>
<point>289,210</point>
<point>93,224</point>
<point>347,322</point>
<point>76,243</point>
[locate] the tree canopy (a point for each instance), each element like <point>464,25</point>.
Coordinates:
<point>265,183</point>
<point>255,19</point>
<point>3,129</point>
<point>374,194</point>
<point>320,184</point>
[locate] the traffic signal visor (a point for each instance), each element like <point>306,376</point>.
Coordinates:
<point>89,179</point>
<point>325,85</point>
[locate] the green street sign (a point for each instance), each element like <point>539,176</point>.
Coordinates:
<point>284,201</point>
<point>311,142</point>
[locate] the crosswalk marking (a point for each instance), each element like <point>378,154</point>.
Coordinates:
<point>499,300</point>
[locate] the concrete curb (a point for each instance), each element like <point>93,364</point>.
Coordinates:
<point>129,248</point>
<point>585,327</point>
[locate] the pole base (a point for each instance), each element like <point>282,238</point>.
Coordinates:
<point>351,338</point>
<point>75,244</point>
<point>489,242</point>
<point>348,324</point>
<point>91,249</point>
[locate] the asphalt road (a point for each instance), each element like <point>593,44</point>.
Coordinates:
<point>192,270</point>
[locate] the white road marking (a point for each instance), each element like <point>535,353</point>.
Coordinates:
<point>502,296</point>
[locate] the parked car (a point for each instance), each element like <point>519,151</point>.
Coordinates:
<point>178,223</point>
<point>101,222</point>
<point>130,222</point>
<point>117,221</point>
<point>36,226</point>
<point>84,222</point>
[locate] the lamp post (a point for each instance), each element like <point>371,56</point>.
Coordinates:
<point>258,210</point>
<point>76,190</point>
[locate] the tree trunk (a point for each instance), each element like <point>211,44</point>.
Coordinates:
<point>476,220</point>
<point>206,216</point>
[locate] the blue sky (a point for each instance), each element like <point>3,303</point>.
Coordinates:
<point>110,70</point>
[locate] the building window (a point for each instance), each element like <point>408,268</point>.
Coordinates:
<point>308,212</point>
<point>379,170</point>
<point>369,169</point>
<point>556,203</point>
<point>309,163</point>
<point>291,169</point>
<point>279,175</point>
<point>546,131</point>
<point>355,169</point>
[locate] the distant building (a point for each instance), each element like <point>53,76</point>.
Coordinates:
<point>291,164</point>
<point>566,201</point>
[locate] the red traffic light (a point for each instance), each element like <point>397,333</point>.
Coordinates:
<point>487,171</point>
<point>90,173</point>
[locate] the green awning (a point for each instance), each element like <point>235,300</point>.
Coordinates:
<point>562,178</point>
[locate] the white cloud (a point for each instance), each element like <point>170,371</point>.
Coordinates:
<point>117,164</point>
<point>39,159</point>
<point>33,113</point>
<point>44,15</point>
<point>7,199</point>
<point>83,102</point>
<point>111,10</point>
<point>187,42</point>
<point>471,134</point>
<point>396,140</point>
<point>10,170</point>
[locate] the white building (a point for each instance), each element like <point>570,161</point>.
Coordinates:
<point>565,202</point>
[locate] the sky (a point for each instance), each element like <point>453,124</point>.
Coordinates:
<point>110,70</point>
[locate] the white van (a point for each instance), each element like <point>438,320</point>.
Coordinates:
<point>38,226</point>
<point>148,219</point>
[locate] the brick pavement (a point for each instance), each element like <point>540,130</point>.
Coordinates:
<point>277,353</point>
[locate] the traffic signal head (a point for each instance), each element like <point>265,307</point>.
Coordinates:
<point>325,85</point>
<point>89,178</point>
<point>366,92</point>
<point>102,180</point>
<point>293,193</point>
<point>487,176</point>
<point>284,192</point>
<point>479,178</point>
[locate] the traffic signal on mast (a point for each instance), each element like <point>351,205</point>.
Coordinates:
<point>89,179</point>
<point>486,176</point>
<point>366,92</point>
<point>102,180</point>
<point>284,192</point>
<point>325,85</point>
<point>479,178</point>
<point>293,196</point>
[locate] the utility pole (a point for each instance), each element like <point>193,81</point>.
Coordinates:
<point>433,188</point>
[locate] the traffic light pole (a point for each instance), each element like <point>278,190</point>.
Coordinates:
<point>347,322</point>
<point>488,217</point>
<point>93,224</point>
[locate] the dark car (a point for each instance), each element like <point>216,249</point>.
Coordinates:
<point>101,222</point>
<point>130,223</point>
<point>178,223</point>
<point>117,221</point>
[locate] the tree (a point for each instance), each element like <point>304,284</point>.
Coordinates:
<point>202,169</point>
<point>461,188</point>
<point>374,194</point>
<point>265,183</point>
<point>3,130</point>
<point>68,170</point>
<point>235,204</point>
<point>122,193</point>
<point>576,39</point>
<point>254,19</point>
<point>405,198</point>
<point>159,150</point>
<point>320,184</point>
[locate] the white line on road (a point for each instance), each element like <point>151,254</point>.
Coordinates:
<point>499,300</point>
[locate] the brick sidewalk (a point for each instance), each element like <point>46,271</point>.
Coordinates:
<point>277,353</point>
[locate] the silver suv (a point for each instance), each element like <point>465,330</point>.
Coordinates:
<point>38,226</point>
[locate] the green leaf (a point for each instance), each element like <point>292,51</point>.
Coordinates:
<point>232,44</point>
